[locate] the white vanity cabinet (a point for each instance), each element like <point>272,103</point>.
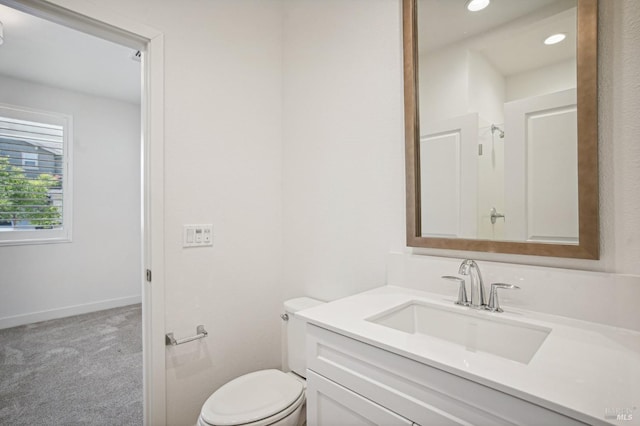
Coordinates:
<point>354,383</point>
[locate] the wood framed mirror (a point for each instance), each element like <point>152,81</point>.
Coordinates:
<point>501,152</point>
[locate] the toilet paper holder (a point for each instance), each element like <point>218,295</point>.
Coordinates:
<point>201,334</point>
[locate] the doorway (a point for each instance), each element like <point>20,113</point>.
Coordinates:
<point>97,21</point>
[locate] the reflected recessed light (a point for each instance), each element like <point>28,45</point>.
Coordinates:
<point>1,33</point>
<point>476,5</point>
<point>556,38</point>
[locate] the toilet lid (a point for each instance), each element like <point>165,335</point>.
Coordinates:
<point>251,397</point>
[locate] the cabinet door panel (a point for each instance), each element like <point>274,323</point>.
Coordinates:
<point>330,404</point>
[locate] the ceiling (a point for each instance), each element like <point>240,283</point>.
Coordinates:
<point>508,32</point>
<point>47,53</point>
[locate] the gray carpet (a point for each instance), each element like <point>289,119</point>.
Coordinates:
<point>81,370</point>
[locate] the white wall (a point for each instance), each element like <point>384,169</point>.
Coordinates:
<point>619,99</point>
<point>343,144</point>
<point>486,89</point>
<point>443,75</point>
<point>541,81</point>
<point>100,268</point>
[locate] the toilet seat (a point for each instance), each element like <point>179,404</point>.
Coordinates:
<point>261,397</point>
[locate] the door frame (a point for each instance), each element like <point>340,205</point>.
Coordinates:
<point>96,20</point>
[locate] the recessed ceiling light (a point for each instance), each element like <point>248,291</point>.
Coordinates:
<point>476,5</point>
<point>553,39</point>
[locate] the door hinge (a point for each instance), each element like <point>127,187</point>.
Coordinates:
<point>148,275</point>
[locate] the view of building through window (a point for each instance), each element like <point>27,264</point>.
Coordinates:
<point>32,174</point>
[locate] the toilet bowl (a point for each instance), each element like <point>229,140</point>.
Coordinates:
<point>266,397</point>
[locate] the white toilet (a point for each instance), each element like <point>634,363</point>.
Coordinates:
<point>267,397</point>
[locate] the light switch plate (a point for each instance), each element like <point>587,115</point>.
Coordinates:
<point>198,235</point>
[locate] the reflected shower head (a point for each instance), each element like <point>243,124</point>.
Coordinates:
<point>495,129</point>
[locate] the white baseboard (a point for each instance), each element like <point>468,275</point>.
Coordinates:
<point>67,311</point>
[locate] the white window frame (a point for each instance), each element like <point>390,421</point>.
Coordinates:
<point>44,236</point>
<point>30,157</point>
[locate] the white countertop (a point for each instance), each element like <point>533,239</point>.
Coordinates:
<point>584,370</point>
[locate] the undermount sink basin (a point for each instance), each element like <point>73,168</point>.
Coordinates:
<point>475,331</point>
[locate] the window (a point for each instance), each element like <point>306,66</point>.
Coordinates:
<point>35,176</point>
<point>30,160</point>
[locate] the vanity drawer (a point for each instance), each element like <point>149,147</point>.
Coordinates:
<point>424,394</point>
<point>331,404</point>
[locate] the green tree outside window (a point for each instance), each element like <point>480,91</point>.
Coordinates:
<point>24,199</point>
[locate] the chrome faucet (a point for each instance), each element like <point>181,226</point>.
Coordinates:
<point>478,298</point>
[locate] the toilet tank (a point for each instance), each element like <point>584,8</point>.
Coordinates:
<point>294,351</point>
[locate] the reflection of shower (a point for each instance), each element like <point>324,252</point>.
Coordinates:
<point>495,129</point>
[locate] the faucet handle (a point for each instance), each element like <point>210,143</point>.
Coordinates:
<point>494,303</point>
<point>462,289</point>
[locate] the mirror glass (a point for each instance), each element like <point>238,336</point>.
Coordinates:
<point>498,131</point>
